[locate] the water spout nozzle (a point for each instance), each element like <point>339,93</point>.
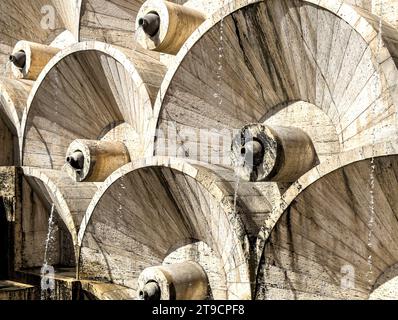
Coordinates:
<point>18,59</point>
<point>151,292</point>
<point>76,160</point>
<point>253,152</point>
<point>150,24</point>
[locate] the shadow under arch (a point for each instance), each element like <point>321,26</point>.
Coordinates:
<point>84,89</point>
<point>273,53</point>
<point>324,229</point>
<point>147,208</point>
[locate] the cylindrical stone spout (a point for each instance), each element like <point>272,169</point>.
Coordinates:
<point>183,281</point>
<point>18,59</point>
<point>76,160</point>
<point>150,292</point>
<point>94,161</point>
<point>150,24</point>
<point>279,154</point>
<point>253,152</point>
<point>30,58</point>
<point>166,25</point>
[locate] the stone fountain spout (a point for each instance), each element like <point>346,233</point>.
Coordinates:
<point>166,25</point>
<point>183,281</point>
<point>76,160</point>
<point>150,292</point>
<point>18,59</point>
<point>150,23</point>
<point>278,154</point>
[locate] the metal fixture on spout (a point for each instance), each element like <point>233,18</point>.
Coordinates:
<point>29,59</point>
<point>166,25</point>
<point>151,292</point>
<point>19,59</point>
<point>150,23</point>
<point>253,152</point>
<point>76,160</point>
<point>95,160</point>
<point>277,154</point>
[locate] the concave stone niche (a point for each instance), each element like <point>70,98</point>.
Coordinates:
<point>171,217</point>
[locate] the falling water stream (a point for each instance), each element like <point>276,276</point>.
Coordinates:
<point>219,97</point>
<point>371,221</point>
<point>47,290</point>
<point>47,283</point>
<point>120,197</point>
<point>220,61</point>
<point>50,237</point>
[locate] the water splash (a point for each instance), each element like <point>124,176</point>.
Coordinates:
<point>372,215</point>
<point>47,271</point>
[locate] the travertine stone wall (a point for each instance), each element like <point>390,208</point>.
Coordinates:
<point>324,233</point>
<point>321,66</point>
<point>388,9</point>
<point>34,230</point>
<point>202,254</point>
<point>8,143</point>
<point>24,20</point>
<point>386,286</point>
<point>174,209</point>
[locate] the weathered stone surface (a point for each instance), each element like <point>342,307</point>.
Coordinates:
<point>74,108</point>
<point>36,58</point>
<point>279,154</point>
<point>176,24</point>
<point>94,161</point>
<point>174,209</point>
<point>324,234</point>
<point>325,68</point>
<point>10,290</point>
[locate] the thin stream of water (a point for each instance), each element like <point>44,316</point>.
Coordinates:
<point>218,94</point>
<point>219,97</point>
<point>371,221</point>
<point>47,291</point>
<point>51,224</point>
<point>58,88</point>
<point>120,197</point>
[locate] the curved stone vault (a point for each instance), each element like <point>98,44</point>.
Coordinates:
<point>118,158</point>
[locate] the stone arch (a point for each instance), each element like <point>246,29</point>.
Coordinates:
<point>84,92</point>
<point>58,189</point>
<point>43,196</point>
<point>385,287</point>
<point>23,21</point>
<point>128,229</point>
<point>13,97</point>
<point>331,165</point>
<point>322,236</point>
<point>283,47</point>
